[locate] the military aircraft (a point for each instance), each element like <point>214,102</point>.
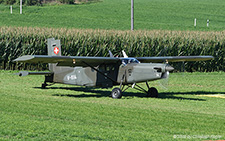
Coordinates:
<point>104,72</point>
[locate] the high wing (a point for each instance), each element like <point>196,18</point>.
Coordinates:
<point>67,60</point>
<point>95,61</point>
<point>173,59</point>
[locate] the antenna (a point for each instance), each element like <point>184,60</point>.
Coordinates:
<point>110,53</point>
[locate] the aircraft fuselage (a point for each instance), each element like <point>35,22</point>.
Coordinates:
<point>108,75</point>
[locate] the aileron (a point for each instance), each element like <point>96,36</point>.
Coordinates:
<point>173,59</point>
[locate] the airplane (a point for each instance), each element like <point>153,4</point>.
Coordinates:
<point>104,72</point>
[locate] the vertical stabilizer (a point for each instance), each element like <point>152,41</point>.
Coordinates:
<point>54,49</point>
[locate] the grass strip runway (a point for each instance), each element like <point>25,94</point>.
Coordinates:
<point>78,113</point>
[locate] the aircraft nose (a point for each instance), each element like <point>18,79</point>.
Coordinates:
<point>169,68</point>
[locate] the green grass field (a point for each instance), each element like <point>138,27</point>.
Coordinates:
<point>65,112</point>
<point>192,108</point>
<point>108,14</point>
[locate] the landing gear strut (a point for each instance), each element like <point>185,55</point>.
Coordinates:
<point>117,92</point>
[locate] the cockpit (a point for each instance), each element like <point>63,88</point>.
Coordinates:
<point>129,60</point>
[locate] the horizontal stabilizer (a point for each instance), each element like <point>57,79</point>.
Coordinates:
<point>25,73</point>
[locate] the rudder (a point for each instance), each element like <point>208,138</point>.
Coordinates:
<point>54,49</point>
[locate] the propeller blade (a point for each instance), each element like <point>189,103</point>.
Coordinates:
<point>124,54</point>
<point>165,80</point>
<point>165,75</point>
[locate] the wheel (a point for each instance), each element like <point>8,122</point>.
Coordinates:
<point>43,86</point>
<point>152,92</point>
<point>116,93</point>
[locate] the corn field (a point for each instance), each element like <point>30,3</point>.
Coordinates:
<point>18,41</point>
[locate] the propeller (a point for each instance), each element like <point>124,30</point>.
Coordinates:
<point>165,76</point>
<point>165,80</point>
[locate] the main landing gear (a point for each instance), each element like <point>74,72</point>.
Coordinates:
<point>49,79</point>
<point>43,85</point>
<point>152,92</point>
<point>117,92</point>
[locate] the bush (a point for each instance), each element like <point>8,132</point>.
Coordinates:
<point>67,1</point>
<point>33,2</point>
<point>25,2</point>
<point>10,2</point>
<point>39,2</point>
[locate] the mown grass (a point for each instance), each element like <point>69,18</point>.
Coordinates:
<point>108,14</point>
<point>78,113</point>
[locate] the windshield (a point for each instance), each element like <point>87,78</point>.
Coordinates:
<point>129,60</point>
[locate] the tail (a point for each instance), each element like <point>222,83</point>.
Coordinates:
<point>54,49</point>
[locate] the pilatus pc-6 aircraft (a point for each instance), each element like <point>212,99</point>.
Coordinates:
<point>104,72</point>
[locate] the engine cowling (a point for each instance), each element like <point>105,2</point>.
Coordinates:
<point>146,72</point>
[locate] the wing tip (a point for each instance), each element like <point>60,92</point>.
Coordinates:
<point>23,58</point>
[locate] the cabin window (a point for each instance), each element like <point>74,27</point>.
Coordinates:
<point>101,68</point>
<point>107,68</point>
<point>129,60</point>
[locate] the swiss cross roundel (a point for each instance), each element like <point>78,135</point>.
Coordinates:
<point>56,50</point>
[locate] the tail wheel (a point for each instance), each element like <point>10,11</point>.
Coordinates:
<point>152,92</point>
<point>116,93</point>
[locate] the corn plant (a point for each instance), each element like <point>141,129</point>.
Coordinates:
<point>18,41</point>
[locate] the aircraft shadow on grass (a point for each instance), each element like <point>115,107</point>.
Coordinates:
<point>128,95</point>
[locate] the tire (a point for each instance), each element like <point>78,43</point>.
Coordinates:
<point>116,93</point>
<point>153,92</point>
<point>43,86</point>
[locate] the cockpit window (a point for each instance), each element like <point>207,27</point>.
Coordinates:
<point>129,60</point>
